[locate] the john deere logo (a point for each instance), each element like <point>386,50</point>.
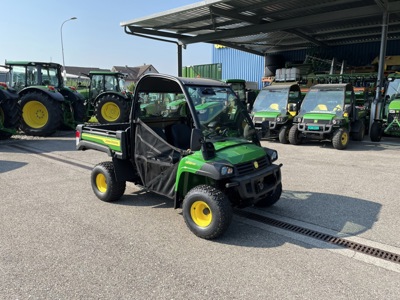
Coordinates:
<point>256,165</point>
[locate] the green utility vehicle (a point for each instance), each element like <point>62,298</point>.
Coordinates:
<point>45,101</point>
<point>329,112</point>
<point>245,94</point>
<point>106,97</point>
<point>389,121</point>
<point>10,112</point>
<point>278,104</point>
<point>206,165</point>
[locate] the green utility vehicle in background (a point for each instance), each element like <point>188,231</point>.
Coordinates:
<point>10,112</point>
<point>329,112</point>
<point>389,121</point>
<point>206,165</point>
<point>106,97</point>
<point>278,104</point>
<point>246,94</point>
<point>45,101</point>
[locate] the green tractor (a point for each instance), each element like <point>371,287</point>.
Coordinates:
<point>10,112</point>
<point>389,112</point>
<point>45,101</point>
<point>106,97</point>
<point>278,104</point>
<point>329,112</point>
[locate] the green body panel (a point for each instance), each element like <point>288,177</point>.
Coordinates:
<point>112,143</point>
<point>395,104</point>
<point>318,116</point>
<point>175,104</point>
<point>267,114</point>
<point>229,152</point>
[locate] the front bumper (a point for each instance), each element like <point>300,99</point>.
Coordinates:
<point>258,184</point>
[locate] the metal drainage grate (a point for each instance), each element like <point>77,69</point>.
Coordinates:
<point>375,252</point>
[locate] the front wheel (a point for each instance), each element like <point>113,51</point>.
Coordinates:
<point>207,211</point>
<point>10,116</point>
<point>294,135</point>
<point>340,139</point>
<point>284,135</point>
<point>112,109</point>
<point>104,184</point>
<point>271,198</point>
<point>376,132</point>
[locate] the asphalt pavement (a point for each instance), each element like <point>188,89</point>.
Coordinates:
<point>58,241</point>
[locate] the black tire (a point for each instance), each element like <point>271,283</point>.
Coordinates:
<point>271,198</point>
<point>207,211</point>
<point>41,115</point>
<point>359,135</point>
<point>294,135</point>
<point>104,184</point>
<point>284,135</point>
<point>376,132</point>
<point>79,112</point>
<point>340,139</point>
<point>10,117</point>
<point>112,109</point>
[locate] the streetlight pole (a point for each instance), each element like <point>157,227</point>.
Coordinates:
<point>62,47</point>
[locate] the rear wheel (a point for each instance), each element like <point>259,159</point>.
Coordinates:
<point>112,109</point>
<point>340,139</point>
<point>294,135</point>
<point>359,135</point>
<point>271,198</point>
<point>41,115</point>
<point>104,184</point>
<point>10,117</point>
<point>376,132</point>
<point>207,211</point>
<point>284,135</point>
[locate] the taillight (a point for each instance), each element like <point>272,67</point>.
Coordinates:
<point>77,136</point>
<point>3,84</point>
<point>72,88</point>
<point>51,88</point>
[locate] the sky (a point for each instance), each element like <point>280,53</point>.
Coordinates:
<point>31,31</point>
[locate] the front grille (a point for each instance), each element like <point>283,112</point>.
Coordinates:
<point>248,167</point>
<point>311,121</point>
<point>261,119</point>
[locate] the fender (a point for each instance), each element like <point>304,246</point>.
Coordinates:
<point>111,93</point>
<point>48,90</point>
<point>71,95</point>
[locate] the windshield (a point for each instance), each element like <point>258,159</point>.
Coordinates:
<point>220,112</point>
<point>323,100</point>
<point>271,100</point>
<point>393,90</point>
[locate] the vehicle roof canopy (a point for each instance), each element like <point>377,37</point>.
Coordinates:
<point>107,73</point>
<point>292,86</point>
<point>344,86</point>
<point>31,63</point>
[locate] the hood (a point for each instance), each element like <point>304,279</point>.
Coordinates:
<point>237,151</point>
<point>395,104</point>
<point>319,116</point>
<point>266,114</point>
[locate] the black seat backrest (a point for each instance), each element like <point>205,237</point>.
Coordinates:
<point>180,136</point>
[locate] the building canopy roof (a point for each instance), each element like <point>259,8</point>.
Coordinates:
<point>272,26</point>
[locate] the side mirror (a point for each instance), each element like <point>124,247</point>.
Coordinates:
<point>208,150</point>
<point>195,139</point>
<point>292,107</point>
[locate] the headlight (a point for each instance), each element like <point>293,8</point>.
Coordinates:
<point>336,121</point>
<point>273,154</point>
<point>281,119</point>
<point>225,170</point>
<point>392,111</point>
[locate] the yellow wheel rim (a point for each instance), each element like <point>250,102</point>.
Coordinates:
<point>35,114</point>
<point>101,183</point>
<point>345,138</point>
<point>110,112</point>
<point>201,214</point>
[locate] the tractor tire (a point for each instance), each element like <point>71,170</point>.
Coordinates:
<point>359,135</point>
<point>111,109</point>
<point>207,211</point>
<point>10,117</point>
<point>41,115</point>
<point>376,132</point>
<point>294,135</point>
<point>79,112</point>
<point>104,184</point>
<point>284,135</point>
<point>340,139</point>
<point>271,198</point>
